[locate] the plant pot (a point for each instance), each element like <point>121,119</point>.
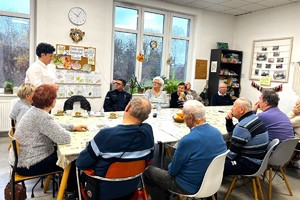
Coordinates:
<point>140,90</point>
<point>8,91</point>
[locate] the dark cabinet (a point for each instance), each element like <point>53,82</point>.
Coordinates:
<point>225,67</point>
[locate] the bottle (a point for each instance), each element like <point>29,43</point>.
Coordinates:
<point>158,107</point>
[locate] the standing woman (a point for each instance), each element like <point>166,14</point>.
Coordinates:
<point>25,93</point>
<point>37,133</point>
<point>156,95</point>
<point>40,72</point>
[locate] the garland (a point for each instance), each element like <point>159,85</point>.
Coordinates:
<point>260,88</point>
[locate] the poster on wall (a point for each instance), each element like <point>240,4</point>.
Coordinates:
<point>271,57</point>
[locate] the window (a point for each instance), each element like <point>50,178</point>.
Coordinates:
<point>14,40</point>
<point>160,36</point>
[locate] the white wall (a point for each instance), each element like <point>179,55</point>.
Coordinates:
<point>268,24</point>
<point>53,27</point>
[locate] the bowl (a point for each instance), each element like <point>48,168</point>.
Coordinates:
<point>178,119</point>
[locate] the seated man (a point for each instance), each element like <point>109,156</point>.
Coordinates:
<point>294,116</point>
<point>131,140</point>
<point>277,123</point>
<point>179,97</point>
<point>194,153</point>
<point>117,99</point>
<point>249,140</point>
<point>221,98</point>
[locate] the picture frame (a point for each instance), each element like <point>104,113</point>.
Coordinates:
<point>271,57</point>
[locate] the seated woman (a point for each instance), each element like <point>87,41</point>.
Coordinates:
<point>192,93</point>
<point>294,116</point>
<point>179,97</point>
<point>156,95</point>
<point>37,133</point>
<point>25,93</point>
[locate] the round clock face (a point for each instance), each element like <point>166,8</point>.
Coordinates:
<point>77,16</point>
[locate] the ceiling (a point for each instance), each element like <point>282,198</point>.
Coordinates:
<point>233,7</point>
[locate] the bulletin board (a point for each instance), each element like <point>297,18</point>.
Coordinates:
<point>271,57</point>
<point>72,57</point>
<point>201,69</point>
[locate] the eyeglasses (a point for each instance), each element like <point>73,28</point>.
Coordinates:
<point>156,83</point>
<point>116,83</point>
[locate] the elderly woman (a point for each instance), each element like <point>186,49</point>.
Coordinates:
<point>37,133</point>
<point>191,92</point>
<point>294,116</point>
<point>25,93</point>
<point>156,95</point>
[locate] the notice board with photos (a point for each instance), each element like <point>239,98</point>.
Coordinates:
<point>71,57</point>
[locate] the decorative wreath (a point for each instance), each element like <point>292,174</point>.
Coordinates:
<point>153,44</point>
<point>140,57</point>
<point>260,88</point>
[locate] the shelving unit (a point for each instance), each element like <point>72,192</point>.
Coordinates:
<point>225,66</point>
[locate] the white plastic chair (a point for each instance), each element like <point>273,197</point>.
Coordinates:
<point>280,156</point>
<point>212,179</point>
<point>254,177</point>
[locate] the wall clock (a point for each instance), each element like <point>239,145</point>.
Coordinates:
<point>77,16</point>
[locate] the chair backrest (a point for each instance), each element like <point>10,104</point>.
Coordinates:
<point>213,177</point>
<point>265,161</point>
<point>121,171</point>
<point>16,150</point>
<point>283,152</point>
<point>84,104</point>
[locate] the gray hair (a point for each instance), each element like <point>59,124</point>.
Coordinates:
<point>140,108</point>
<point>244,103</point>
<point>161,81</point>
<point>271,97</point>
<point>25,89</point>
<point>196,108</point>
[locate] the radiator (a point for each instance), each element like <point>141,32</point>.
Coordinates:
<point>4,115</point>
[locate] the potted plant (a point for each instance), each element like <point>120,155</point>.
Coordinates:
<point>134,84</point>
<point>8,87</point>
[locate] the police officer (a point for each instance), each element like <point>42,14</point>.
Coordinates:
<point>117,99</point>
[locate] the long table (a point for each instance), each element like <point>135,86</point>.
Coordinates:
<point>165,130</point>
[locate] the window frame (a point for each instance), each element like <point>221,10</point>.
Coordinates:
<point>167,38</point>
<point>31,17</point>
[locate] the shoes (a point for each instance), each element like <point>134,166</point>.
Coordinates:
<point>71,195</point>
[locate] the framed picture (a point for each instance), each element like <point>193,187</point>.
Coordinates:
<point>271,57</point>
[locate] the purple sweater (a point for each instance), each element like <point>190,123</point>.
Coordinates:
<point>278,124</point>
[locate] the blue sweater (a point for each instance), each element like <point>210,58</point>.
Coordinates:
<point>194,153</point>
<point>108,146</point>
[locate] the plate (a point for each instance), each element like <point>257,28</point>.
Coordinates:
<point>58,114</point>
<point>86,68</point>
<point>77,116</point>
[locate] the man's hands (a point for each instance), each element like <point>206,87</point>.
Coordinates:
<point>80,128</point>
<point>255,106</point>
<point>229,115</point>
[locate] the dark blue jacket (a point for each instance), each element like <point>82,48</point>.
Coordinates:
<point>116,101</point>
<point>108,146</point>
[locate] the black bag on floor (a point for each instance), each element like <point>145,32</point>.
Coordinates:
<point>20,192</point>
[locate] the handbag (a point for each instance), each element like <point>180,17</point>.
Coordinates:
<point>20,192</point>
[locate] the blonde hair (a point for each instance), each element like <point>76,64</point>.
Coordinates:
<point>25,89</point>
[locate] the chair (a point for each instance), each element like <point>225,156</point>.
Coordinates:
<point>16,178</point>
<point>280,156</point>
<point>254,177</point>
<point>84,104</point>
<point>121,171</point>
<point>212,179</point>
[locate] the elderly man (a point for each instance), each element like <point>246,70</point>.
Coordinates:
<point>191,92</point>
<point>249,140</point>
<point>117,99</point>
<point>277,123</point>
<point>194,153</point>
<point>221,98</point>
<point>131,140</point>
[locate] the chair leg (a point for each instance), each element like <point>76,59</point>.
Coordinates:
<point>231,187</point>
<point>254,189</point>
<point>47,181</point>
<point>285,180</point>
<point>32,194</point>
<point>270,184</point>
<point>259,187</point>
